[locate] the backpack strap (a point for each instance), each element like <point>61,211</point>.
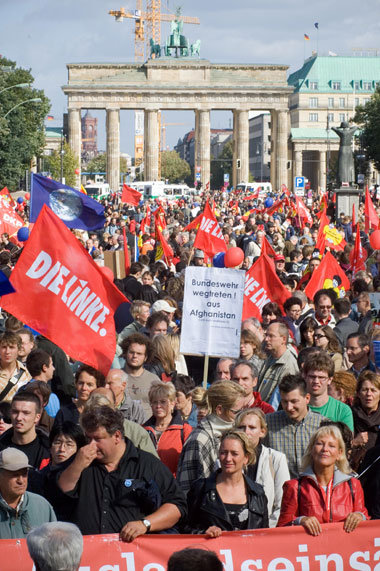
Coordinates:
<point>11,384</point>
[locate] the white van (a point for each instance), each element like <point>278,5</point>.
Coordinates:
<point>158,189</point>
<point>247,187</point>
<point>98,190</point>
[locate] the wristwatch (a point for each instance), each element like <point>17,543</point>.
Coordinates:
<point>147,524</point>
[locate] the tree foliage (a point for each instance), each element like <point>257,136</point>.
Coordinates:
<point>222,165</point>
<point>173,168</point>
<point>70,163</point>
<point>22,135</point>
<point>368,118</point>
<point>99,164</point>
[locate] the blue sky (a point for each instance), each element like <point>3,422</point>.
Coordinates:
<point>45,35</point>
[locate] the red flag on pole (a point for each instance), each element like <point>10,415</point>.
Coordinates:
<point>328,275</point>
<point>127,261</point>
<point>358,255</point>
<point>266,248</point>
<point>6,195</point>
<point>370,217</point>
<point>262,285</point>
<point>130,195</point>
<point>323,205</point>
<point>303,211</point>
<point>329,236</point>
<point>163,250</point>
<point>62,293</point>
<point>209,237</point>
<point>194,224</point>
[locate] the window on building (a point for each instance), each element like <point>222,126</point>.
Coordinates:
<point>342,102</point>
<point>367,85</point>
<point>313,102</point>
<point>357,101</point>
<point>336,85</point>
<point>314,85</point>
<point>330,117</point>
<point>365,100</point>
<point>356,85</point>
<point>331,102</point>
<point>313,117</point>
<point>342,116</point>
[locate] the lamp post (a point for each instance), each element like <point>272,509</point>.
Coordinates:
<point>16,85</point>
<point>62,153</point>
<point>32,100</point>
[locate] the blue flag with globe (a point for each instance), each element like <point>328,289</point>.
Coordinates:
<point>75,209</point>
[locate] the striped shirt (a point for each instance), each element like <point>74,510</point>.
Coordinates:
<point>291,437</point>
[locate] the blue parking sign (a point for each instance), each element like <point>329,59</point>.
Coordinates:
<point>197,176</point>
<point>299,182</point>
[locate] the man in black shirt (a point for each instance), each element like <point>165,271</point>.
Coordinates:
<point>25,414</point>
<point>118,488</point>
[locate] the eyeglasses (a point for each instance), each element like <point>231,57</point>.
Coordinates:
<point>60,443</point>
<point>235,411</point>
<point>319,336</point>
<point>5,419</point>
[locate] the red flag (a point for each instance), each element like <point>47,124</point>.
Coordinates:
<point>6,195</point>
<point>323,205</point>
<point>328,275</point>
<point>164,250</point>
<point>209,237</point>
<point>274,207</point>
<point>262,285</point>
<point>127,261</point>
<point>266,248</point>
<point>353,222</point>
<point>370,216</point>
<point>10,221</point>
<point>130,195</point>
<point>62,293</point>
<point>303,212</point>
<point>285,189</point>
<point>329,236</point>
<point>194,224</point>
<point>159,218</point>
<point>358,255</point>
<point>253,196</point>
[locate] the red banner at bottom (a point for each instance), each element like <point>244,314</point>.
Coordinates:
<point>284,549</point>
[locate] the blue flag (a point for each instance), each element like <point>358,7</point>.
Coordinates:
<point>75,209</point>
<point>5,285</point>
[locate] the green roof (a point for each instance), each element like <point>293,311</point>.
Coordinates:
<point>346,69</point>
<point>53,132</point>
<point>306,133</point>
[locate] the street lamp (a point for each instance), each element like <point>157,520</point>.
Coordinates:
<point>33,100</point>
<point>17,85</point>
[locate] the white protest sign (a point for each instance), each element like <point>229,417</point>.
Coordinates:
<point>212,311</point>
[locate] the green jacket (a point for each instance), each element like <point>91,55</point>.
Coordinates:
<point>33,511</point>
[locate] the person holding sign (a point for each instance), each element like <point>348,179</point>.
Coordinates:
<point>326,491</point>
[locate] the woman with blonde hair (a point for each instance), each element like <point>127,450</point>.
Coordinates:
<point>250,348</point>
<point>325,339</point>
<point>179,359</point>
<point>228,499</point>
<point>327,491</point>
<point>200,453</point>
<point>162,363</point>
<point>166,428</point>
<point>271,467</point>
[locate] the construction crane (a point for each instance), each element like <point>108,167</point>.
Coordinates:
<point>151,18</point>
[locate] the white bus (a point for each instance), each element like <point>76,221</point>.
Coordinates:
<point>98,190</point>
<point>158,189</point>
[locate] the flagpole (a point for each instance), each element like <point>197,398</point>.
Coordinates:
<point>205,371</point>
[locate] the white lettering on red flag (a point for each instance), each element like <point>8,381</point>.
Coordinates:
<point>63,294</point>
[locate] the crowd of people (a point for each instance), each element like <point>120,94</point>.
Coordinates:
<point>285,434</point>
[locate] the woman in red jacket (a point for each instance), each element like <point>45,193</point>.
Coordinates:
<point>327,490</point>
<point>166,427</point>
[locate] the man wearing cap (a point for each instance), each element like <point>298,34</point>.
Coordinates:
<point>279,262</point>
<point>198,258</point>
<point>20,511</point>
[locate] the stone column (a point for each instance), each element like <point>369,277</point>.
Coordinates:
<point>113,148</point>
<point>297,171</point>
<point>273,150</point>
<point>151,144</point>
<point>202,144</point>
<point>196,145</point>
<point>282,149</point>
<point>75,127</point>
<point>241,146</point>
<point>322,170</point>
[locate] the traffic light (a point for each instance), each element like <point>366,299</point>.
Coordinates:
<point>238,163</point>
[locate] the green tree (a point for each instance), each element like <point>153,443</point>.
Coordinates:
<point>99,164</point>
<point>22,134</point>
<point>70,162</point>
<point>222,165</point>
<point>368,118</point>
<point>173,168</point>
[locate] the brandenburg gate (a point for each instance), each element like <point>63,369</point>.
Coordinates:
<point>180,84</point>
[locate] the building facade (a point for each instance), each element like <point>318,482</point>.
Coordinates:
<point>327,90</point>
<point>260,147</point>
